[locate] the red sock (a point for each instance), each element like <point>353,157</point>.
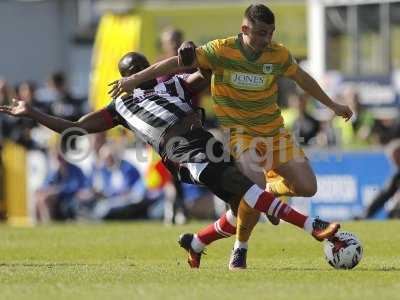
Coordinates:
<point>290,215</point>
<point>218,230</point>
<point>264,201</point>
<point>274,207</point>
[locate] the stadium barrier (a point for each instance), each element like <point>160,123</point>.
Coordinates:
<point>347,181</point>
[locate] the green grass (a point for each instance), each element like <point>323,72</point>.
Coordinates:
<point>143,261</point>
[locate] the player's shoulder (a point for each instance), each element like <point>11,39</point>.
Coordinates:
<point>279,51</point>
<point>223,42</point>
<point>229,41</point>
<point>279,47</point>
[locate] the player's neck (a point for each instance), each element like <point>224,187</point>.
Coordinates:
<point>247,47</point>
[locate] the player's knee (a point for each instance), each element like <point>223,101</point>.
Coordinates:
<point>308,189</point>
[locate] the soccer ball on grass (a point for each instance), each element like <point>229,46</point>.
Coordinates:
<point>344,251</point>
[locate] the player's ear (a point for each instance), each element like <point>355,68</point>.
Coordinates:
<point>245,29</point>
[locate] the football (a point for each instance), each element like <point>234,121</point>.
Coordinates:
<point>344,251</point>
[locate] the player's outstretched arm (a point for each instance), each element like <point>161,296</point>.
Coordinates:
<point>199,81</point>
<point>307,83</point>
<point>185,60</point>
<point>91,123</point>
<point>128,84</point>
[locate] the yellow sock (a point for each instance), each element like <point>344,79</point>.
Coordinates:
<point>280,188</point>
<point>247,219</point>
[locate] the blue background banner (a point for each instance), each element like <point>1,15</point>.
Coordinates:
<point>347,182</point>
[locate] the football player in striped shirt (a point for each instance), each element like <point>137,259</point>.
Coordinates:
<point>245,69</point>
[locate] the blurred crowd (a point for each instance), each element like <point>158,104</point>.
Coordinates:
<point>53,98</point>
<point>112,187</point>
<point>316,126</point>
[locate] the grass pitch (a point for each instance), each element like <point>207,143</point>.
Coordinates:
<point>143,261</point>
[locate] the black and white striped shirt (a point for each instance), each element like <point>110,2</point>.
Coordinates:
<point>151,112</point>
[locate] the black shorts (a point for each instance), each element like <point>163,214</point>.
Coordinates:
<point>197,157</point>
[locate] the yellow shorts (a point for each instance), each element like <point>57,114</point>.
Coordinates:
<point>271,151</point>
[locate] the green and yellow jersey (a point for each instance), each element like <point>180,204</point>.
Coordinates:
<point>244,88</point>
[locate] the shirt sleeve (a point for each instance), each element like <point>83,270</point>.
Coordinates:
<point>111,115</point>
<point>290,65</point>
<point>208,55</point>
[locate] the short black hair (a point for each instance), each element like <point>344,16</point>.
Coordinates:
<point>131,63</point>
<point>58,78</point>
<point>260,13</point>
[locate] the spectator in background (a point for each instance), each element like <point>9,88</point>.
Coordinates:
<point>59,100</point>
<point>385,129</point>
<point>158,178</point>
<point>21,129</point>
<point>305,126</point>
<point>356,133</point>
<point>362,120</point>
<point>98,141</point>
<point>171,39</point>
<point>87,197</point>
<point>6,95</point>
<point>390,190</point>
<point>27,91</point>
<point>6,92</point>
<point>327,135</point>
<point>117,190</point>
<point>56,199</point>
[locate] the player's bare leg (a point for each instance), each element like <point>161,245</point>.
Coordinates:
<point>247,217</point>
<point>299,178</point>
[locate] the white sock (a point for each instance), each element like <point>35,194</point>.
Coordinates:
<point>252,195</point>
<point>197,245</point>
<point>308,225</point>
<point>239,244</point>
<point>230,217</point>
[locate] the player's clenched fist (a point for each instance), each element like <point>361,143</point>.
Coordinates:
<point>187,53</point>
<point>343,111</point>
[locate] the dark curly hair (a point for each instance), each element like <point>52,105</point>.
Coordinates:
<point>131,63</point>
<point>260,13</point>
